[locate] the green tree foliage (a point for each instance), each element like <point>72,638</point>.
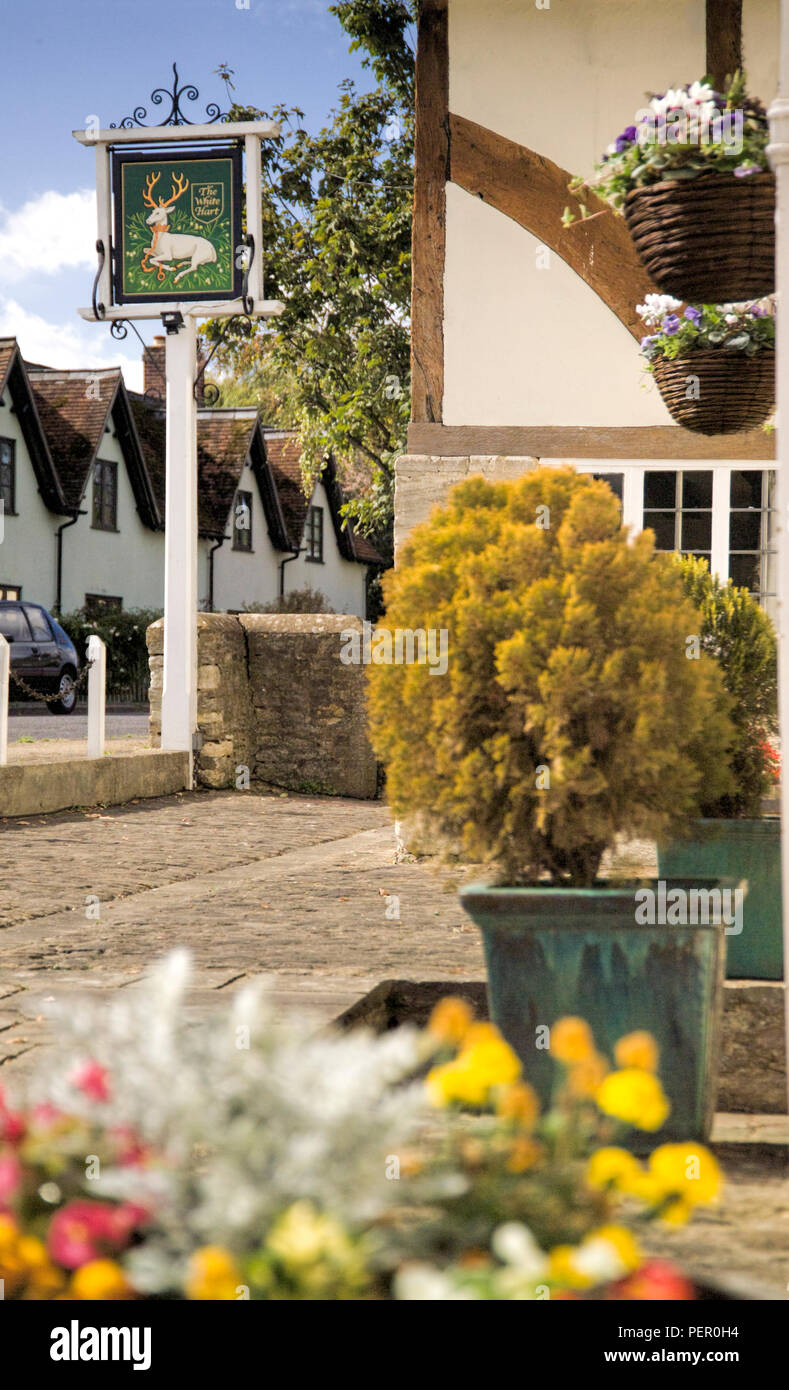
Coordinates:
<point>337,238</point>
<point>741,637</point>
<point>566,657</point>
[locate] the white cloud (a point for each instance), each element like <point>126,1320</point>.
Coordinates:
<point>47,234</point>
<point>70,345</point>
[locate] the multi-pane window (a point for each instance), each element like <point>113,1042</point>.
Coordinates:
<point>678,508</point>
<point>10,591</point>
<point>751,555</point>
<point>96,604</point>
<point>314,534</point>
<point>7,476</point>
<point>105,495</point>
<point>242,521</point>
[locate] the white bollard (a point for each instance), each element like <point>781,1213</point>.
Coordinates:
<point>97,676</point>
<point>5,667</point>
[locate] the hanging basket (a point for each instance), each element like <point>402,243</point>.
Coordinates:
<point>708,240</point>
<point>735,392</point>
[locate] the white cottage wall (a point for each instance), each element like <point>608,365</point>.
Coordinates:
<point>127,563</point>
<point>28,546</point>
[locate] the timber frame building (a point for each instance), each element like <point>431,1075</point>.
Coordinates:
<point>524,331</point>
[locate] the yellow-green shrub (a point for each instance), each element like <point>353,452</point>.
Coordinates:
<point>567,652</point>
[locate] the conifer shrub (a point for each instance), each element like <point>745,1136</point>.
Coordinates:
<point>569,712</point>
<point>738,633</point>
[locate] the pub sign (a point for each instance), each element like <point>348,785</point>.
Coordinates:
<point>177,225</point>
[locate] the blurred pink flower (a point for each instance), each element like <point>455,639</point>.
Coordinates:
<point>10,1177</point>
<point>92,1079</point>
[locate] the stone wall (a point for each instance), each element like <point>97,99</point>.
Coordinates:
<point>273,697</point>
<point>422,482</point>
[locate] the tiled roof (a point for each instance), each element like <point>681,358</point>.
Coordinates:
<point>223,444</point>
<point>7,348</point>
<point>73,421</point>
<point>284,457</point>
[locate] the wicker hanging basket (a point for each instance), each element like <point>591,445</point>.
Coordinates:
<point>734,392</point>
<point>709,240</point>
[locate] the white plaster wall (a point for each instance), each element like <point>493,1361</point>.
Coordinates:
<point>127,563</point>
<point>243,577</point>
<point>341,581</point>
<point>531,346</point>
<point>27,551</point>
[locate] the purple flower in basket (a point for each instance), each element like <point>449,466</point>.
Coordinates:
<point>647,342</point>
<point>693,314</point>
<point>626,138</point>
<point>670,324</point>
<point>743,170</point>
<point>758,312</point>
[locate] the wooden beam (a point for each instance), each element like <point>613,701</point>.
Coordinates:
<point>532,190</point>
<point>724,40</point>
<point>586,442</point>
<point>429,224</point>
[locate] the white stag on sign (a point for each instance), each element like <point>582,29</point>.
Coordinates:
<point>170,249</point>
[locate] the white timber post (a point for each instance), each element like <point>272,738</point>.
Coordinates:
<point>179,688</point>
<point>254,212</point>
<point>97,687</point>
<point>778,151</point>
<point>5,669</point>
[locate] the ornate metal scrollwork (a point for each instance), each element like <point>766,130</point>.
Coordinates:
<point>99,310</point>
<point>175,115</point>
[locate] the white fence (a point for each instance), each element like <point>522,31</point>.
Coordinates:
<point>97,691</point>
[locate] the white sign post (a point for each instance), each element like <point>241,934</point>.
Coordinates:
<point>180,317</point>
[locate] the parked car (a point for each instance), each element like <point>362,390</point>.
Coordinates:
<point>42,654</point>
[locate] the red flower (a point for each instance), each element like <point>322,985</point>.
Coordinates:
<point>92,1079</point>
<point>12,1124</point>
<point>83,1231</point>
<point>658,1280</point>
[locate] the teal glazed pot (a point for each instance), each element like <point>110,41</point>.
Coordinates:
<point>739,849</point>
<point>551,952</point>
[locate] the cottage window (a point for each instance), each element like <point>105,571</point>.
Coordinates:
<point>678,508</point>
<point>7,477</point>
<point>751,518</point>
<point>242,521</point>
<point>10,591</point>
<point>105,496</point>
<point>96,604</point>
<point>314,535</point>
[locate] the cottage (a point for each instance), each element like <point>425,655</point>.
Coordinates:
<point>82,501</point>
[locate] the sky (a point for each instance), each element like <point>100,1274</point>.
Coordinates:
<point>65,61</point>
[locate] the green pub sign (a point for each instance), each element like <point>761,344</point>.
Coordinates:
<point>177,226</point>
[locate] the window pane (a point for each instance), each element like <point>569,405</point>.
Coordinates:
<point>697,489</point>
<point>615,482</point>
<point>38,624</point>
<point>663,524</point>
<point>13,625</point>
<point>696,530</point>
<point>744,571</point>
<point>746,488</point>
<point>660,490</point>
<point>745,530</point>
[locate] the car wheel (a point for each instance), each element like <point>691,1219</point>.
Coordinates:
<point>67,695</point>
